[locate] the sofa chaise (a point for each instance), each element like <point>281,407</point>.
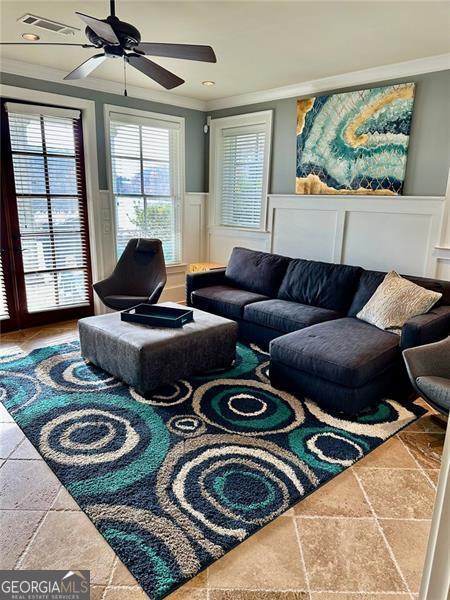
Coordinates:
<point>305,311</point>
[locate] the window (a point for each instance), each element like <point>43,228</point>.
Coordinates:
<point>145,165</point>
<point>241,147</point>
<point>46,152</point>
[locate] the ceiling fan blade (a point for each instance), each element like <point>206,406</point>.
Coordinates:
<point>87,67</point>
<point>102,29</point>
<point>186,51</point>
<point>154,71</point>
<point>45,44</point>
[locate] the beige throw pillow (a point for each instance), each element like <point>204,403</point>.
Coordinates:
<point>395,301</point>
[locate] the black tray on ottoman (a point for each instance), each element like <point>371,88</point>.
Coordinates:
<point>157,316</point>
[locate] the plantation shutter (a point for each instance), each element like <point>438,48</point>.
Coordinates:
<point>47,161</point>
<point>145,168</point>
<point>242,181</point>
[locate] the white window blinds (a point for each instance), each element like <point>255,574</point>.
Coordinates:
<point>243,174</point>
<point>145,179</point>
<point>47,159</point>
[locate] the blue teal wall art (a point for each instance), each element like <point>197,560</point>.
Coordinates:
<point>355,142</point>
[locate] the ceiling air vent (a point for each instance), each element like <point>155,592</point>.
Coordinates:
<point>48,25</point>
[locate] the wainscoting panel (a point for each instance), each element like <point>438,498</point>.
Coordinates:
<point>222,240</point>
<point>309,234</point>
<point>376,240</point>
<point>194,223</point>
<point>389,232</point>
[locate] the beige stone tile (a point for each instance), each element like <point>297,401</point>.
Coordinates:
<point>20,336</point>
<point>340,497</point>
<point>69,540</point>
<point>17,529</point>
<point>397,493</point>
<point>122,576</point>
<point>433,423</point>
<point>5,417</point>
<point>433,474</point>
<point>26,451</point>
<point>10,437</point>
<point>392,454</point>
<point>97,592</point>
<point>122,593</point>
<point>27,484</point>
<point>408,540</point>
<point>347,555</point>
<point>256,595</point>
<point>424,404</point>
<point>184,593</point>
<point>64,501</point>
<point>364,596</point>
<point>199,581</point>
<point>425,447</point>
<point>267,560</point>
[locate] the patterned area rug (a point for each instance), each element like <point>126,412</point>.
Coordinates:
<point>176,481</point>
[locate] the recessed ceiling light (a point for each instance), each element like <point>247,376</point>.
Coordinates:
<point>208,83</point>
<point>31,37</point>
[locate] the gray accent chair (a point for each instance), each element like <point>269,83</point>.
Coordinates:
<point>429,371</point>
<point>139,276</point>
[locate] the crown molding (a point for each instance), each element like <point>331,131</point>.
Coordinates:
<point>408,68</point>
<point>16,67</point>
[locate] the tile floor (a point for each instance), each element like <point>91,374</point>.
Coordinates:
<point>362,536</point>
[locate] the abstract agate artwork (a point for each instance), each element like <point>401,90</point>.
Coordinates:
<point>354,143</point>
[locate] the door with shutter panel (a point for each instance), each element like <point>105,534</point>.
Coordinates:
<point>46,246</point>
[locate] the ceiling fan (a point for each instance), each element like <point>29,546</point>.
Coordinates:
<point>118,39</point>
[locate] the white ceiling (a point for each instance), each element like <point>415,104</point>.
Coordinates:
<point>259,45</point>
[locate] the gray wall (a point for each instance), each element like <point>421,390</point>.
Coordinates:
<point>429,148</point>
<point>194,121</point>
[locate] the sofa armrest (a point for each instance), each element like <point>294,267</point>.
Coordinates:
<point>425,329</point>
<point>202,279</point>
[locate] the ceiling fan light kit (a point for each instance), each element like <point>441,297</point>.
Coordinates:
<point>122,40</point>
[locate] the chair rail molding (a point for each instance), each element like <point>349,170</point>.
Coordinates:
<point>376,232</point>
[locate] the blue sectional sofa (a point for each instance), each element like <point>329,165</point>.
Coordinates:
<point>305,311</point>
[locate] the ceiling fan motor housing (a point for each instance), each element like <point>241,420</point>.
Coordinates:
<point>129,37</point>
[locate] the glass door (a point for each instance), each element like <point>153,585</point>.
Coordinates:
<point>46,241</point>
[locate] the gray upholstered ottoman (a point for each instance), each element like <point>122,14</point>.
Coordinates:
<point>146,357</point>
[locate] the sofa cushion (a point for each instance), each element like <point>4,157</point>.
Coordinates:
<point>395,301</point>
<point>370,280</point>
<point>320,284</point>
<point>345,351</point>
<point>224,300</point>
<point>287,316</point>
<point>257,272</point>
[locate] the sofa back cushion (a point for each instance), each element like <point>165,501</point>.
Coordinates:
<point>320,284</point>
<point>370,280</point>
<point>257,272</point>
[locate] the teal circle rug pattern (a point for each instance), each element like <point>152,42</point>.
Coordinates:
<point>176,480</point>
